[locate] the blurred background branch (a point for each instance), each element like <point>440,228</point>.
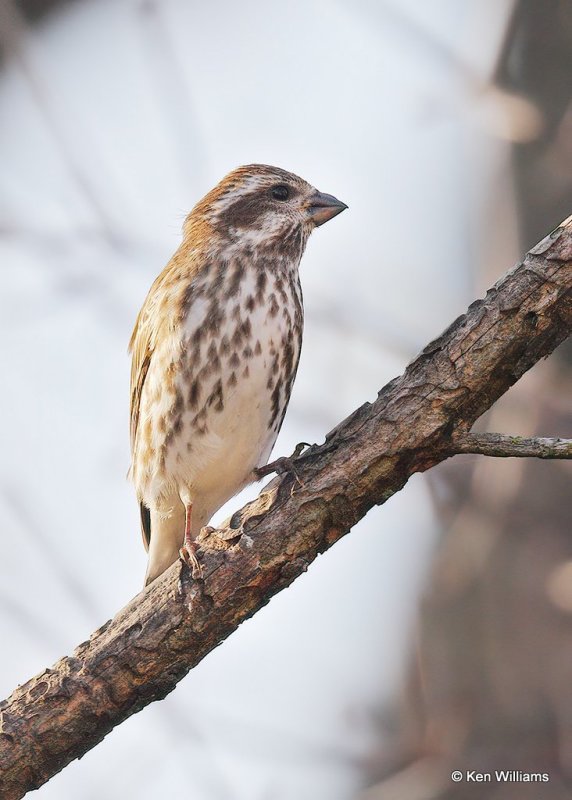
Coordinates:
<point>503,446</point>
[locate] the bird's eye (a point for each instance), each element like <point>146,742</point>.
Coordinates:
<point>280,192</point>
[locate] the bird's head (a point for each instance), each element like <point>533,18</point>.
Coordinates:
<point>261,206</point>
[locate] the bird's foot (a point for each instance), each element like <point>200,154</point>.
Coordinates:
<point>283,465</point>
<point>188,555</point>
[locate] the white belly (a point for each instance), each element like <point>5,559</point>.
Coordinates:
<point>238,438</point>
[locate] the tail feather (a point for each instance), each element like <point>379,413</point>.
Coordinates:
<point>165,537</point>
<point>145,524</point>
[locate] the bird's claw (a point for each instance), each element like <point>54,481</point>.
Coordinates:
<point>283,465</point>
<point>188,556</point>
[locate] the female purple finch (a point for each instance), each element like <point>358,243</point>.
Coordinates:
<point>215,351</point>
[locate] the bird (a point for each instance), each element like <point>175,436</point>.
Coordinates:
<point>215,351</point>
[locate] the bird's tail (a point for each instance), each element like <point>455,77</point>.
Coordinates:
<point>165,537</point>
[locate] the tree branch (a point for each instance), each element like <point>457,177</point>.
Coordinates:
<point>151,644</point>
<point>503,446</point>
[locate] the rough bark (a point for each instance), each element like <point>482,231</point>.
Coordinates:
<point>415,422</point>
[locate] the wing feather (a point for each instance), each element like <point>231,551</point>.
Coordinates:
<point>157,319</point>
<point>141,347</point>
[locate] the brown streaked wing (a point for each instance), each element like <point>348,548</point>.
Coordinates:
<point>154,320</point>
<point>141,347</point>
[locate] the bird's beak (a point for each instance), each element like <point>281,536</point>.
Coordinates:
<point>322,207</point>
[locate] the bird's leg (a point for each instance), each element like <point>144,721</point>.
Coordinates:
<point>282,465</point>
<point>188,552</point>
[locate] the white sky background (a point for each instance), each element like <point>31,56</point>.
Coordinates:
<point>117,118</point>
